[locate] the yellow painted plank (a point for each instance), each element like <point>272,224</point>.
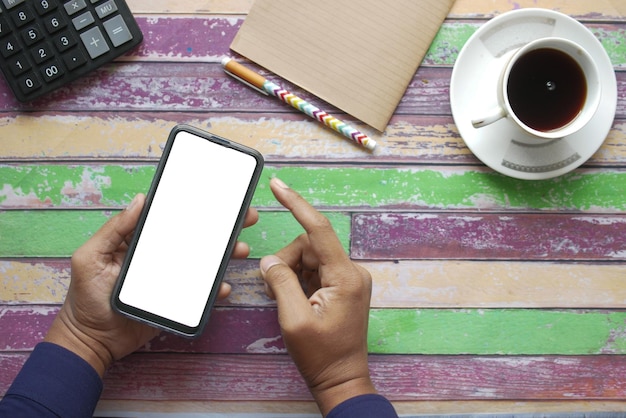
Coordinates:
<point>404,408</point>
<point>127,137</point>
<point>571,7</point>
<point>424,284</point>
<point>120,137</point>
<point>191,6</point>
<point>461,8</point>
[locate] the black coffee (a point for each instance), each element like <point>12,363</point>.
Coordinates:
<point>547,89</point>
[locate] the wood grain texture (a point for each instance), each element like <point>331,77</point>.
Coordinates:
<point>396,284</point>
<point>490,294</point>
<point>601,9</point>
<point>59,233</point>
<point>489,236</point>
<point>391,331</point>
<point>392,236</point>
<point>421,408</point>
<point>130,87</point>
<point>137,136</point>
<point>96,186</point>
<point>401,378</point>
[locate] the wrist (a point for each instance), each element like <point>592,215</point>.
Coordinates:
<point>329,397</point>
<point>64,333</point>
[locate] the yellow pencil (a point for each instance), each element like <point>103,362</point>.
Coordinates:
<point>265,86</point>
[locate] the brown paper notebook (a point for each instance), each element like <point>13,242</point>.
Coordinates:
<point>358,55</point>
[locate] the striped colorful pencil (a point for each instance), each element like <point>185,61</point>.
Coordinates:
<point>265,86</point>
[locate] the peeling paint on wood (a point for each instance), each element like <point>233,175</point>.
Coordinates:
<point>483,263</point>
<point>59,233</point>
<point>391,331</point>
<point>396,284</point>
<point>401,378</point>
<point>489,237</point>
<point>427,188</point>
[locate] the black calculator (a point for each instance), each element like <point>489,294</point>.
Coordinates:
<point>45,44</point>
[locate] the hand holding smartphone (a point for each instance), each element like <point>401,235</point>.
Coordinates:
<point>193,214</point>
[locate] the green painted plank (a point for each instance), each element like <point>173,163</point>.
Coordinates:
<point>496,331</point>
<point>68,186</point>
<point>58,233</point>
<point>391,331</point>
<point>452,36</point>
<point>58,185</point>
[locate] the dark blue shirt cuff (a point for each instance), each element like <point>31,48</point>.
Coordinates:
<point>364,406</point>
<point>53,382</point>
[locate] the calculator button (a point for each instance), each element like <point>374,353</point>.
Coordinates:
<point>9,4</point>
<point>4,27</point>
<point>32,35</point>
<point>82,21</point>
<point>64,41</point>
<point>54,22</point>
<point>22,15</point>
<point>74,6</point>
<point>47,43</point>
<point>52,71</point>
<point>106,9</point>
<point>42,53</point>
<point>94,42</point>
<point>74,59</point>
<point>117,30</point>
<point>19,64</point>
<point>45,6</point>
<point>9,46</point>
<point>29,83</point>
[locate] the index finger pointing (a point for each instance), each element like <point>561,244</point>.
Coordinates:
<point>322,236</point>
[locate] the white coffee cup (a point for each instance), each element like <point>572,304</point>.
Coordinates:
<point>550,88</point>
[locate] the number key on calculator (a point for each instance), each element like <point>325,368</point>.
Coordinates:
<point>45,44</point>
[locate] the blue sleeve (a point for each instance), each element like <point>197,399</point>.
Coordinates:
<point>54,382</point>
<point>364,406</point>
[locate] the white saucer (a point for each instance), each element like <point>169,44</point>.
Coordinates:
<point>504,146</point>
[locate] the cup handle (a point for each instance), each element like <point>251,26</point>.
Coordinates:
<point>494,115</point>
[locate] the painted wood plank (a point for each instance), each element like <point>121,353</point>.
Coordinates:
<point>166,87</point>
<point>58,233</point>
<point>191,7</point>
<point>392,236</point>
<point>453,35</point>
<point>401,378</point>
<point>397,284</point>
<point>404,408</point>
<point>391,331</point>
<point>291,415</point>
<point>208,38</point>
<point>488,236</point>
<point>80,186</point>
<point>138,136</point>
<point>602,9</point>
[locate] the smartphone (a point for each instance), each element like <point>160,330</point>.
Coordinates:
<point>194,211</point>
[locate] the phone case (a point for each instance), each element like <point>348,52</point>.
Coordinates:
<point>157,320</point>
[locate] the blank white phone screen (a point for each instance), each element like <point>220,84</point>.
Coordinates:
<point>187,229</point>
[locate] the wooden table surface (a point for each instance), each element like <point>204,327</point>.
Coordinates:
<point>490,294</point>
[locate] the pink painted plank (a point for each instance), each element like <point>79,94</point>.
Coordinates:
<point>229,330</point>
<point>488,236</point>
<point>173,87</point>
<point>401,378</point>
<point>192,86</point>
<point>401,331</point>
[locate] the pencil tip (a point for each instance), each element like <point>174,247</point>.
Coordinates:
<point>225,61</point>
